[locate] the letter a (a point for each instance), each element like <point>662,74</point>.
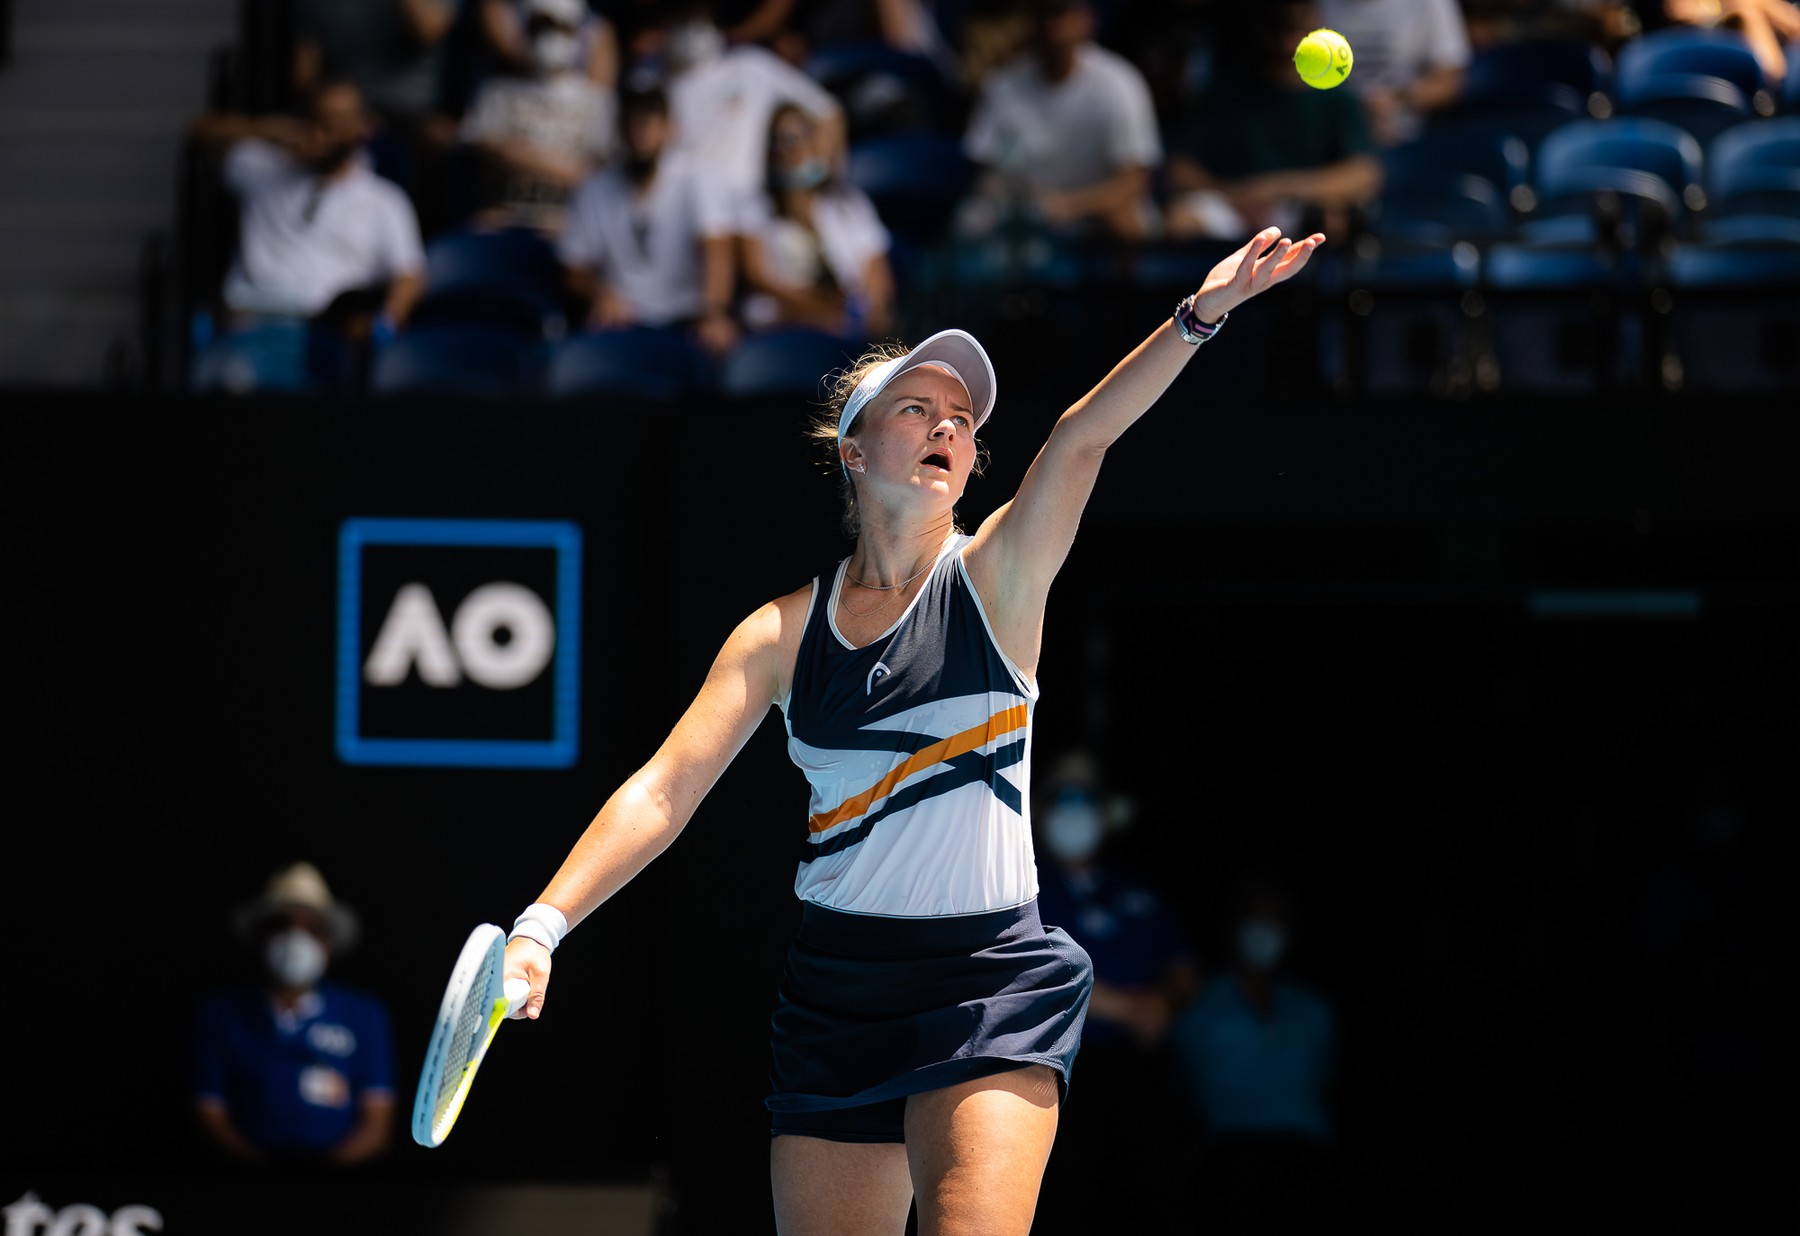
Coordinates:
<point>413,633</point>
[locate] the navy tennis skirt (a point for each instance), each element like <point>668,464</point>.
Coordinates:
<point>874,1009</point>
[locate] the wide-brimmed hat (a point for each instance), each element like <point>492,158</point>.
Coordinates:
<point>298,887</point>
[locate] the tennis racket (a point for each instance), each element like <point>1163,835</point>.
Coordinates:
<point>475,1003</point>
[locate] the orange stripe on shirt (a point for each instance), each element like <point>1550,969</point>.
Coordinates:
<point>1003,722</point>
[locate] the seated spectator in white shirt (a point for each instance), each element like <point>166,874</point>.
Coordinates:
<point>815,253</point>
<point>1411,59</point>
<point>541,135</point>
<point>321,236</point>
<point>1066,131</point>
<point>502,24</point>
<point>647,242</point>
<point>723,98</point>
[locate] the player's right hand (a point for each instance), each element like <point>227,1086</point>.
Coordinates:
<point>529,960</point>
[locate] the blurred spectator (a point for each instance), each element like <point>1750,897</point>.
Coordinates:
<point>1411,59</point>
<point>321,236</point>
<point>1256,1052</point>
<point>505,27</point>
<point>1257,146</point>
<point>1112,1167</point>
<point>295,1069</point>
<point>647,242</point>
<point>815,252</point>
<point>541,134</point>
<point>1066,133</point>
<point>1771,27</point>
<point>392,50</point>
<point>723,98</point>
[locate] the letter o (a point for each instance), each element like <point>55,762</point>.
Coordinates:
<point>521,659</point>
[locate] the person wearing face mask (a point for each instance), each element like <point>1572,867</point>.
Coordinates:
<point>724,98</point>
<point>647,242</point>
<point>1256,1053</point>
<point>1110,1166</point>
<point>295,1069</point>
<point>539,135</point>
<point>815,252</point>
<point>320,235</point>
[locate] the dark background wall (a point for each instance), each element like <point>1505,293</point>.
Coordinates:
<point>1301,634</point>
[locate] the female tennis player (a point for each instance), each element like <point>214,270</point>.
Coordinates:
<point>927,1020</point>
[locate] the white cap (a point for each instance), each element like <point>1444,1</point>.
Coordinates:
<point>953,350</point>
<point>568,12</point>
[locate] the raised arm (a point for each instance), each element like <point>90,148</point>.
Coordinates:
<point>647,812</point>
<point>1018,550</point>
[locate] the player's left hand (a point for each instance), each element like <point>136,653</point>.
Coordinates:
<point>1265,260</point>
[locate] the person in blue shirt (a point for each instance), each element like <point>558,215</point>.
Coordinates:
<point>1256,1053</point>
<point>1113,1163</point>
<point>295,1069</point>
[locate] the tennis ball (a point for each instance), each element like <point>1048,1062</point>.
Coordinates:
<point>1323,59</point>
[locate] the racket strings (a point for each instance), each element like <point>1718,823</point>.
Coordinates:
<point>465,1037</point>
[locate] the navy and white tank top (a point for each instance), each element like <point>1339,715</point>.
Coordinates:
<point>918,751</point>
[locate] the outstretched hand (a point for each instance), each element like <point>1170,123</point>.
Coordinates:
<point>1265,260</point>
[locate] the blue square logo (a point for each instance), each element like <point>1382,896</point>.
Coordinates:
<point>458,642</point>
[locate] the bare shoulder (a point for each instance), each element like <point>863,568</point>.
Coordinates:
<point>769,639</point>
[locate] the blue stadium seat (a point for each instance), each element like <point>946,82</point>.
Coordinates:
<point>456,361</point>
<point>661,365</point>
<point>1530,87</point>
<point>1409,330</point>
<point>1632,181</point>
<point>1693,102</point>
<point>883,89</point>
<point>283,356</point>
<point>1645,145</point>
<point>914,179</point>
<point>1441,209</point>
<point>1691,51</point>
<point>783,362</point>
<point>506,280</point>
<point>1734,316</point>
<point>1555,321</point>
<point>1494,154</point>
<point>1754,168</point>
<point>1575,63</point>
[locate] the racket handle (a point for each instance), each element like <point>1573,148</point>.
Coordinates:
<point>517,990</point>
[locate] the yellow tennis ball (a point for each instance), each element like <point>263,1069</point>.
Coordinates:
<point>1323,59</point>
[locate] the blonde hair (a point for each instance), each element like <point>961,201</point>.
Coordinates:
<point>823,428</point>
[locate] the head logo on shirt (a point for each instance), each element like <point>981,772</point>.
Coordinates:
<point>875,676</point>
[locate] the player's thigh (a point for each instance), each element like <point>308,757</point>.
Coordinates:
<point>978,1151</point>
<point>827,1188</point>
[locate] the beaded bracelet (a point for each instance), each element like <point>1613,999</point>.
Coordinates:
<point>1191,327</point>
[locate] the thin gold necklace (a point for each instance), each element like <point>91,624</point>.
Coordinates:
<point>893,588</point>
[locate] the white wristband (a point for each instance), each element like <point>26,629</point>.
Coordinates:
<point>541,922</point>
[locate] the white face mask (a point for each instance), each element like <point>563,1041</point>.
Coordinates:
<point>1261,944</point>
<point>694,41</point>
<point>1073,827</point>
<point>554,51</point>
<point>295,958</point>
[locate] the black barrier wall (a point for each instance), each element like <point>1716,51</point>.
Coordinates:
<point>1453,668</point>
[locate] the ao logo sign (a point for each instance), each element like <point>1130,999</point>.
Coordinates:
<point>30,1217</point>
<point>458,642</point>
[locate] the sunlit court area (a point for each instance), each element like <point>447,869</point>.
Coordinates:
<point>407,402</point>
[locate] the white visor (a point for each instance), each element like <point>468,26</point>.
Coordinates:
<point>952,350</point>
